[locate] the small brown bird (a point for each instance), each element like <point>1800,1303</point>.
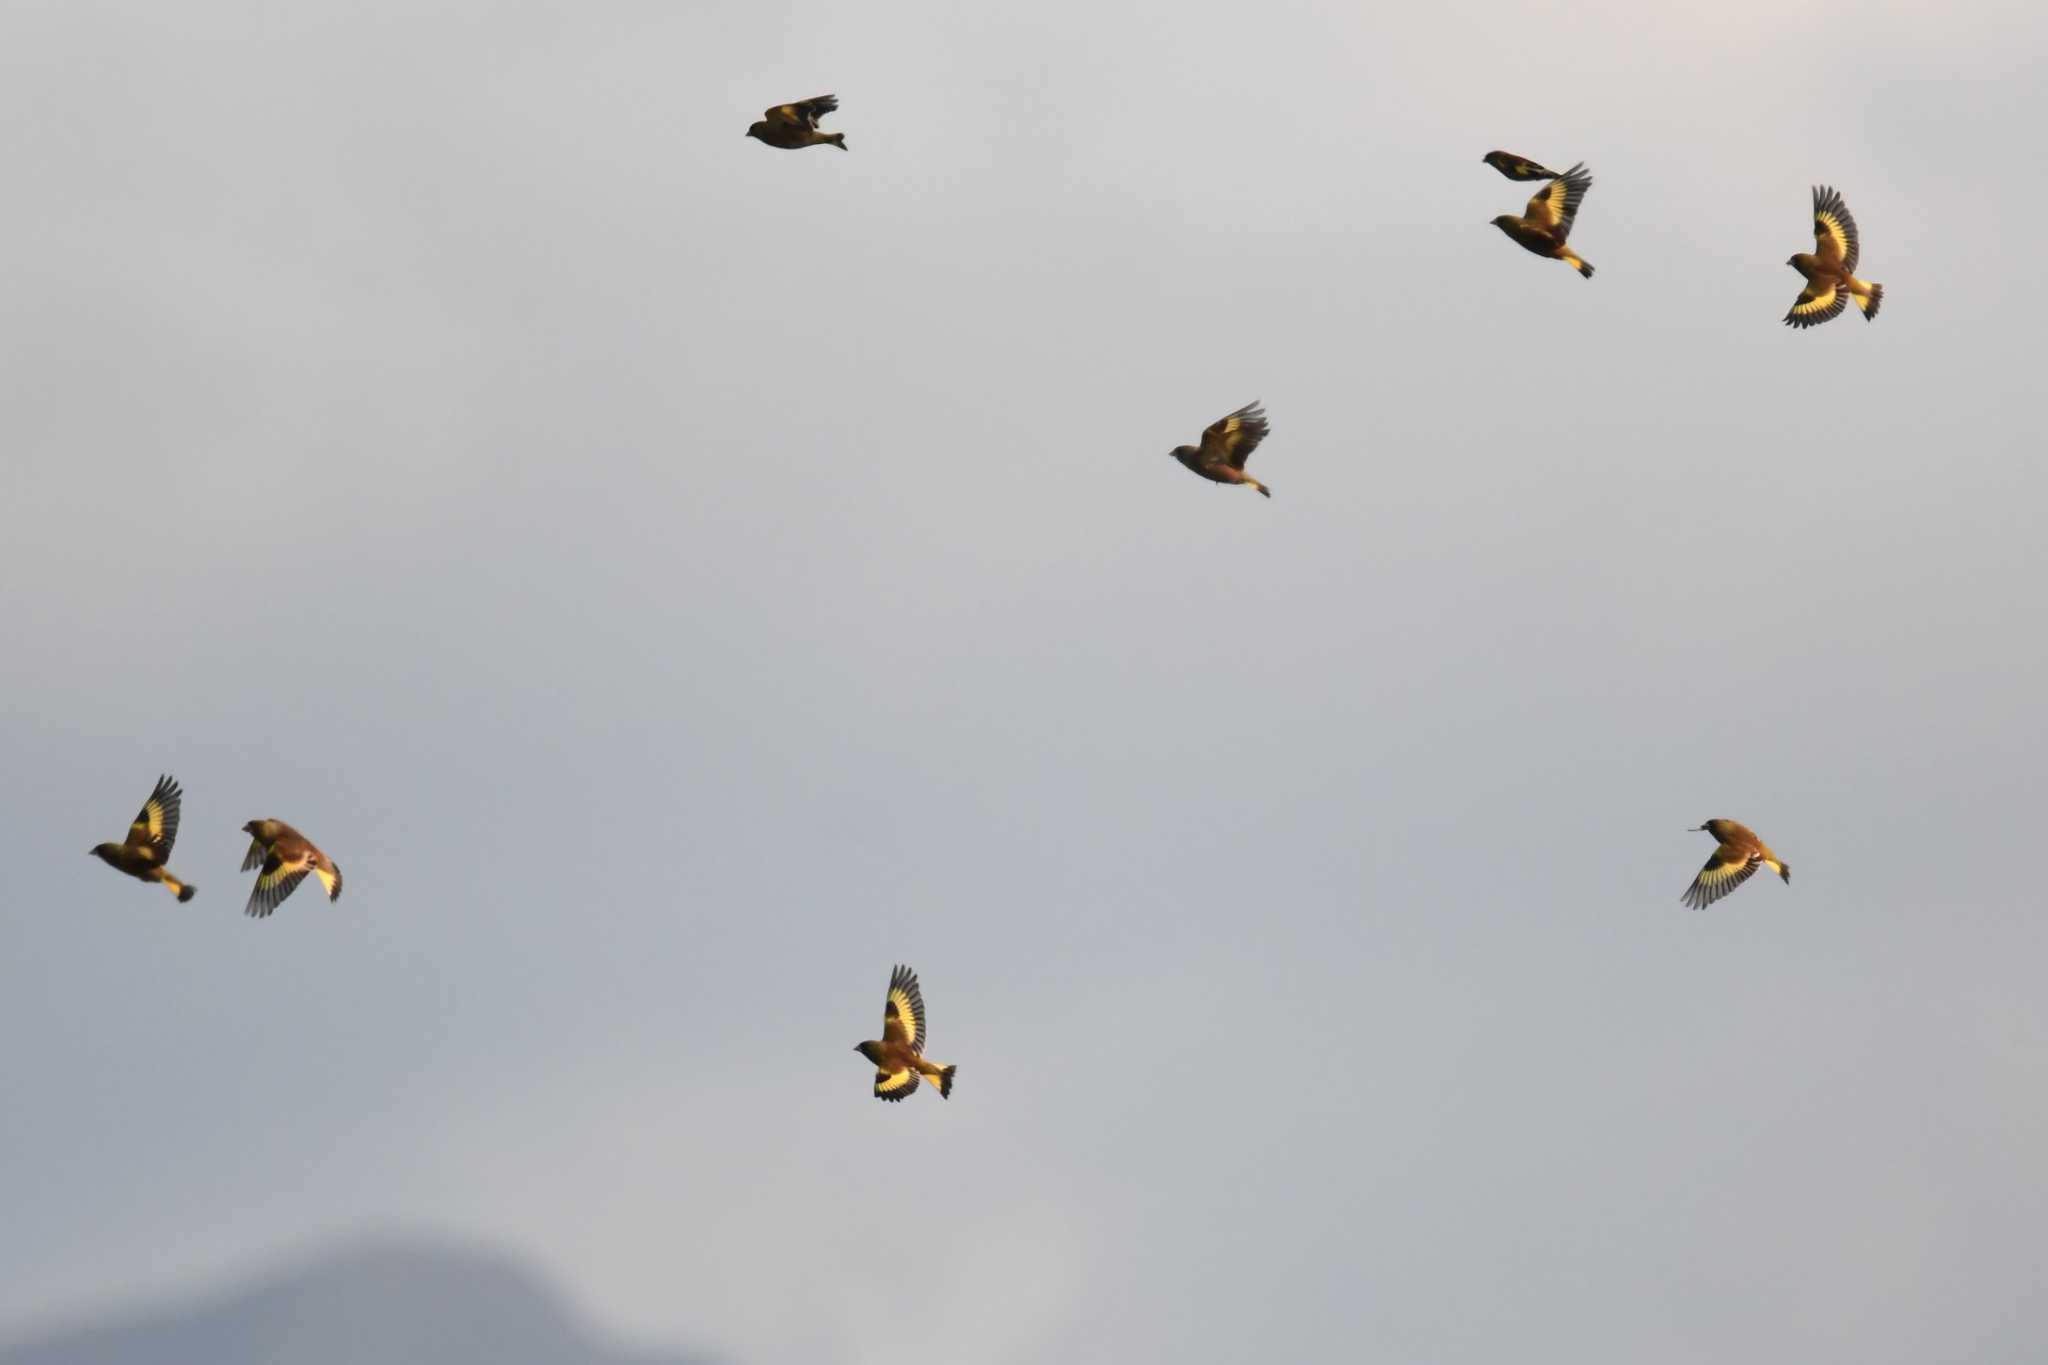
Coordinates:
<point>791,126</point>
<point>1830,271</point>
<point>1738,855</point>
<point>1517,167</point>
<point>287,857</point>
<point>148,845</point>
<point>1227,443</point>
<point>1548,220</point>
<point>899,1056</point>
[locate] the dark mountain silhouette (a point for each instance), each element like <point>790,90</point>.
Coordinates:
<point>386,1304</point>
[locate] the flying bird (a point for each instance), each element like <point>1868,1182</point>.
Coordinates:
<point>146,850</point>
<point>287,858</point>
<point>1548,219</point>
<point>791,126</point>
<point>1227,443</point>
<point>1738,853</point>
<point>1517,167</point>
<point>899,1055</point>
<point>1830,271</point>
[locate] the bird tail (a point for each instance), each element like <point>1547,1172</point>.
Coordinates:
<point>330,877</point>
<point>942,1077</point>
<point>837,140</point>
<point>179,889</point>
<point>1869,299</point>
<point>1264,491</point>
<point>1785,873</point>
<point>1579,265</point>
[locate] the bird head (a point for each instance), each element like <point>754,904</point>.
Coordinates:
<point>868,1050</point>
<point>757,129</point>
<point>1505,221</point>
<point>1793,260</point>
<point>101,850</point>
<point>1183,453</point>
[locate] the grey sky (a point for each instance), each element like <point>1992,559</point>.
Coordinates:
<point>677,579</point>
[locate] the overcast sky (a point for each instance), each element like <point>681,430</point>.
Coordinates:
<point>677,579</point>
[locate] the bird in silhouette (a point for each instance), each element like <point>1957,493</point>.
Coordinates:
<point>791,126</point>
<point>1227,443</point>
<point>287,858</point>
<point>1547,222</point>
<point>146,850</point>
<point>1738,853</point>
<point>1517,167</point>
<point>899,1054</point>
<point>1830,271</point>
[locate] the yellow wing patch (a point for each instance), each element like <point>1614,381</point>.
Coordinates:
<point>1816,304</point>
<point>1719,877</point>
<point>330,880</point>
<point>1834,229</point>
<point>1546,208</point>
<point>155,827</point>
<point>894,1085</point>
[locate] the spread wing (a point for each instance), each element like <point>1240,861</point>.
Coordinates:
<point>1556,205</point>
<point>1834,231</point>
<point>903,1013</point>
<point>155,827</point>
<point>894,1085</point>
<point>1726,870</point>
<point>1816,304</point>
<point>1231,440</point>
<point>258,851</point>
<point>1518,167</point>
<point>278,879</point>
<point>804,113</point>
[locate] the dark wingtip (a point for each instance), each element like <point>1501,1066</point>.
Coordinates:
<point>187,894</point>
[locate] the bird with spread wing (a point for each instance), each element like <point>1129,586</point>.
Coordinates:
<point>899,1054</point>
<point>1547,222</point>
<point>1830,271</point>
<point>1227,443</point>
<point>286,858</point>
<point>1738,853</point>
<point>146,850</point>
<point>790,126</point>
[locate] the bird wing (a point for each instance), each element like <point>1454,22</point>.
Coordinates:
<point>1518,167</point>
<point>330,875</point>
<point>155,827</point>
<point>1555,205</point>
<point>1726,870</point>
<point>903,1011</point>
<point>804,113</point>
<point>1231,440</point>
<point>1834,231</point>
<point>894,1085</point>
<point>258,851</point>
<point>278,879</point>
<point>1818,302</point>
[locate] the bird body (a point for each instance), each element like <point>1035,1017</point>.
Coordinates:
<point>1227,443</point>
<point>898,1055</point>
<point>144,854</point>
<point>1738,853</point>
<point>792,126</point>
<point>1830,267</point>
<point>1547,222</point>
<point>1517,167</point>
<point>286,858</point>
